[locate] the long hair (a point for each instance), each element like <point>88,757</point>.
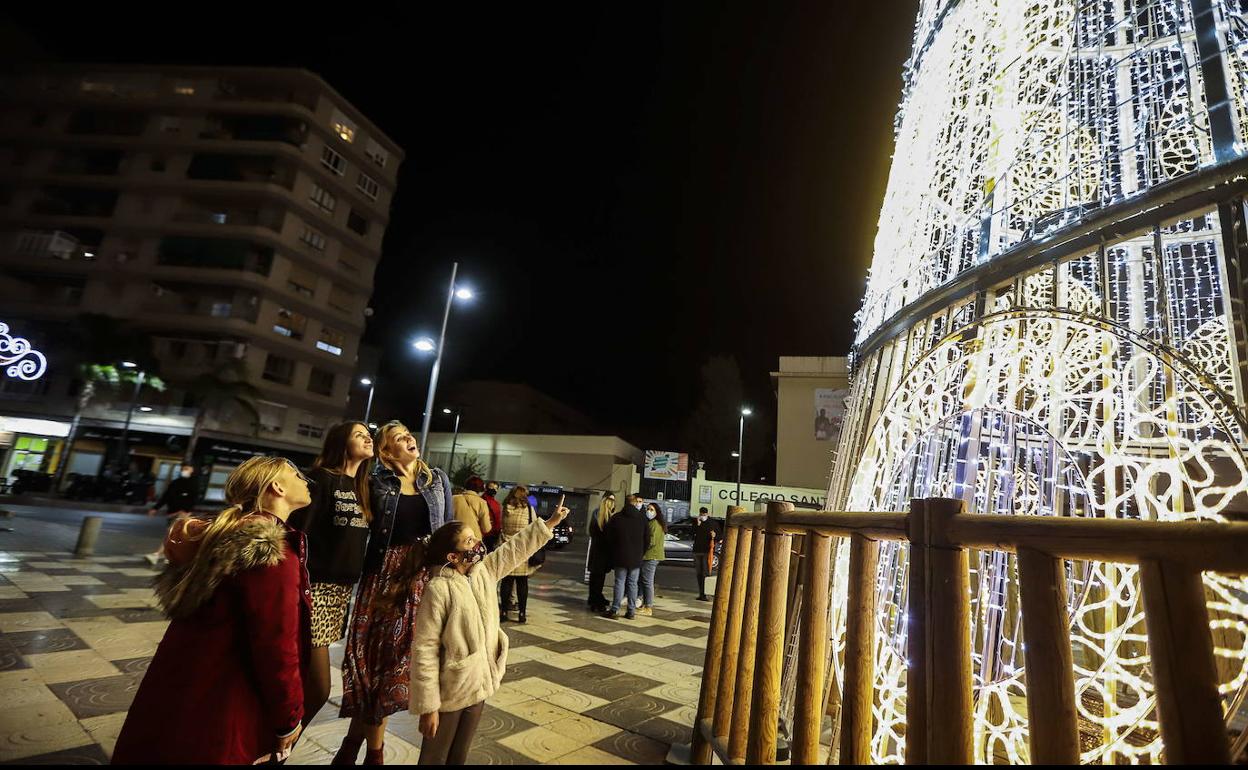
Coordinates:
<point>606,509</point>
<point>383,446</point>
<point>518,493</point>
<point>441,543</point>
<point>659,517</point>
<point>244,491</point>
<point>333,457</point>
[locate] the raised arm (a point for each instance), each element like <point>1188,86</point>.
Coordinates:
<point>518,548</point>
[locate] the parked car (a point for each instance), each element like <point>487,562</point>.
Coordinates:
<point>562,535</point>
<point>678,545</point>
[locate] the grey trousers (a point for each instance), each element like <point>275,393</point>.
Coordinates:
<point>449,746</point>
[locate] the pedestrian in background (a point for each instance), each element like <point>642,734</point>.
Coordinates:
<point>598,561</point>
<point>654,554</point>
<point>517,515</point>
<point>458,654</point>
<point>409,500</point>
<point>226,686</point>
<point>496,514</point>
<point>628,537</point>
<point>337,527</point>
<point>179,501</point>
<point>470,508</point>
<point>704,536</point>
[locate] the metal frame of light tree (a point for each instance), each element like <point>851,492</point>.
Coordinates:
<point>1053,325</point>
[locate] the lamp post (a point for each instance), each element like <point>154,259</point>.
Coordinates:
<point>451,294</point>
<point>745,412</point>
<point>124,460</point>
<point>372,386</point>
<point>450,464</point>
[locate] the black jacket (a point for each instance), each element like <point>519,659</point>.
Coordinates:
<point>181,495</point>
<point>628,537</point>
<point>336,529</point>
<point>702,532</point>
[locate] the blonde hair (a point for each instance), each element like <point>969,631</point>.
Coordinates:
<point>385,437</point>
<point>606,509</point>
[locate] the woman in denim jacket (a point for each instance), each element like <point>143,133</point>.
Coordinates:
<point>409,502</point>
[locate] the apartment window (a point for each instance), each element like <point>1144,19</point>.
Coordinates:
<point>331,341</point>
<point>341,300</point>
<point>321,382</point>
<point>158,165</point>
<point>348,266</point>
<point>170,124</point>
<point>376,153</point>
<point>217,217</point>
<point>99,87</point>
<point>221,309</point>
<point>184,89</point>
<point>343,127</point>
<point>357,222</point>
<point>290,324</point>
<point>311,427</point>
<point>279,369</point>
<point>323,198</point>
<point>367,185</point>
<point>272,416</point>
<point>333,161</point>
<point>312,238</point>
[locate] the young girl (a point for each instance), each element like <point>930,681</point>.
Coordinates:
<point>651,558</point>
<point>336,524</point>
<point>459,651</point>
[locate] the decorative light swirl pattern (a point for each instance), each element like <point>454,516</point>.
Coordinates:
<point>18,358</point>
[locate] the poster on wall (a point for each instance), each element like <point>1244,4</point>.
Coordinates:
<point>666,466</point>
<point>829,412</point>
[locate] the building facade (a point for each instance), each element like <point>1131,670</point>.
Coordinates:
<point>1054,326</point>
<point>236,215</point>
<point>810,409</point>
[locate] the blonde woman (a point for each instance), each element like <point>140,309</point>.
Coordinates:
<point>517,514</point>
<point>225,686</point>
<point>409,501</point>
<point>598,559</point>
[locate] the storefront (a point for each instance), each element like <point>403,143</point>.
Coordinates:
<point>28,444</point>
<point>216,458</point>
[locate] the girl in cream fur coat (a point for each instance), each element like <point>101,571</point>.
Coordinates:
<point>458,650</point>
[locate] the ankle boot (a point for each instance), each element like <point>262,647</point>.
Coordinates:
<point>348,751</point>
<point>375,756</point>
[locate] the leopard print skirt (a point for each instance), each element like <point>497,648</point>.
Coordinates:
<point>329,612</point>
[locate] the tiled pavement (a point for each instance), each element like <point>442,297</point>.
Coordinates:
<point>76,636</point>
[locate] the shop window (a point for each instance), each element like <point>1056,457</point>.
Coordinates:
<point>29,453</point>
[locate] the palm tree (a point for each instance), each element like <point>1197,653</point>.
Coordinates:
<point>216,390</point>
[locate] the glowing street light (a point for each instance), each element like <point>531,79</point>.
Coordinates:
<point>745,412</point>
<point>464,293</point>
<point>372,387</point>
<point>424,345</point>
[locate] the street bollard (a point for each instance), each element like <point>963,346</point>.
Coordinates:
<point>88,534</point>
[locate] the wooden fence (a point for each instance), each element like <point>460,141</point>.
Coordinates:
<point>739,704</point>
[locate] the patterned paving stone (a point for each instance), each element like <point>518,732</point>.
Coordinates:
<point>133,665</point>
<point>634,748</point>
<point>96,697</point>
<point>497,724</point>
<point>629,712</point>
<point>54,640</point>
<point>88,754</point>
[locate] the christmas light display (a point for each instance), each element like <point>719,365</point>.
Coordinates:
<point>18,358</point>
<point>1053,326</point>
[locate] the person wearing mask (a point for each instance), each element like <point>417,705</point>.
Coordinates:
<point>599,560</point>
<point>226,686</point>
<point>459,654</point>
<point>496,514</point>
<point>179,501</point>
<point>517,515</point>
<point>408,500</point>
<point>628,537</point>
<point>470,508</point>
<point>704,535</point>
<point>653,555</point>
<point>336,525</point>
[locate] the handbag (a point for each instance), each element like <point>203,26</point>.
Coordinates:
<point>539,557</point>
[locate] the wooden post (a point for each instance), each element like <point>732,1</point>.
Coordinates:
<point>938,681</point>
<point>1193,729</point>
<point>769,663</point>
<point>701,748</point>
<point>812,650</point>
<point>1053,724</point>
<point>859,694</point>
<point>732,633</point>
<point>738,733</point>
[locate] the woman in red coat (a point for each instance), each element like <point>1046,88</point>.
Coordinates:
<point>225,686</point>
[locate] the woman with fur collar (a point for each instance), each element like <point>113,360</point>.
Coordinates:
<point>225,685</point>
<point>459,650</point>
<point>409,501</point>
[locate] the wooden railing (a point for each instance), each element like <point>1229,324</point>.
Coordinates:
<point>739,704</point>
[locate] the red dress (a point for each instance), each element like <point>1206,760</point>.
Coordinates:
<point>227,677</point>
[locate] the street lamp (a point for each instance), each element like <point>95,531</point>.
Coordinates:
<point>372,386</point>
<point>424,344</point>
<point>450,464</point>
<point>125,430</point>
<point>745,412</point>
<point>452,292</point>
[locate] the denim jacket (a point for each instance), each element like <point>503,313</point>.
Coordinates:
<point>384,489</point>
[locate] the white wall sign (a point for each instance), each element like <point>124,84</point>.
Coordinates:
<point>19,360</point>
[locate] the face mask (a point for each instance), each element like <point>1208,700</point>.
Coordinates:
<point>490,492</point>
<point>186,473</point>
<point>470,557</point>
<point>649,514</point>
<point>702,517</point>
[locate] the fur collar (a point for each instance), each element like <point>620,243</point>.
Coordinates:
<point>186,585</point>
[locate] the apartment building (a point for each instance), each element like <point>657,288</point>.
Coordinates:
<point>236,214</point>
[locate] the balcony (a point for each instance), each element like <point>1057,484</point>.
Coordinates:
<point>282,93</point>
<point>231,216</point>
<point>54,244</point>
<point>74,202</point>
<point>203,302</point>
<point>88,162</point>
<point>107,123</point>
<point>256,128</point>
<point>215,254</point>
<point>240,168</point>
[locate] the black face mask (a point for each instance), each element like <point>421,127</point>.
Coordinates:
<point>490,492</point>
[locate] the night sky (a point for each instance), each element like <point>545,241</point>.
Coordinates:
<point>630,187</point>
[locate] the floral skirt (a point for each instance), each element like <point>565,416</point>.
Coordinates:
<point>376,668</point>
